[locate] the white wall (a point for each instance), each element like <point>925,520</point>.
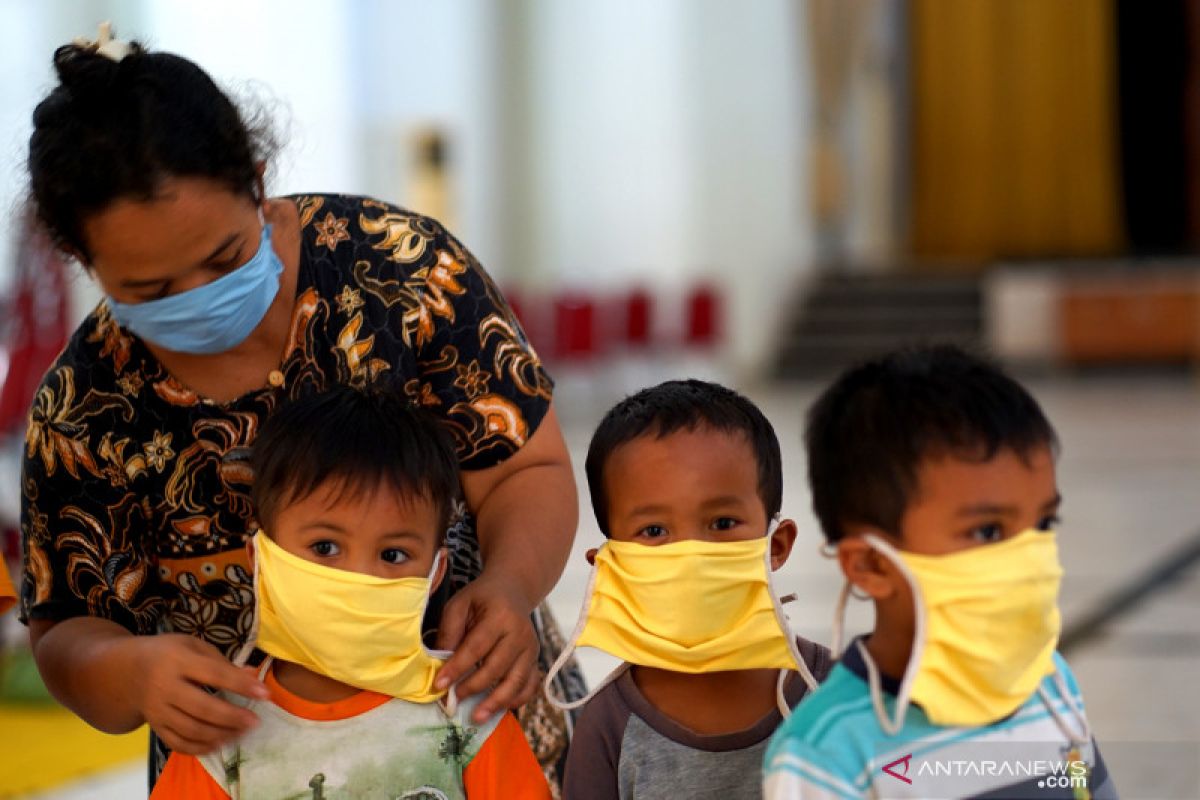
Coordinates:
<point>26,62</point>
<point>417,65</point>
<point>667,143</point>
<point>749,221</point>
<point>295,58</point>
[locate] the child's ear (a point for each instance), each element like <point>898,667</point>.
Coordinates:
<point>865,568</point>
<point>443,560</point>
<point>591,555</point>
<point>781,543</point>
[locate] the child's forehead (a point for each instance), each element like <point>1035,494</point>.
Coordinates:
<point>700,439</point>
<point>951,475</point>
<point>700,459</point>
<point>369,501</point>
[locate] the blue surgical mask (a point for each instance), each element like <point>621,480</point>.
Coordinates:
<point>212,318</point>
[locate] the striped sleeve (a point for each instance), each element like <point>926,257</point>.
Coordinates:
<point>792,773</point>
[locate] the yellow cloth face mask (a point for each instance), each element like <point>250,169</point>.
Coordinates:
<point>688,606</point>
<point>987,625</point>
<point>358,629</point>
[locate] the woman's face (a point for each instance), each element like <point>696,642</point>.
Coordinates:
<point>192,232</point>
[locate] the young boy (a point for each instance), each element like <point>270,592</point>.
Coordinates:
<point>685,481</point>
<point>353,492</point>
<point>932,475</point>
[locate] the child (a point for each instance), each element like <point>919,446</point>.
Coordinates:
<point>685,478</point>
<point>354,491</point>
<point>932,475</point>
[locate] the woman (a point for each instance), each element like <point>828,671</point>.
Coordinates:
<point>222,303</point>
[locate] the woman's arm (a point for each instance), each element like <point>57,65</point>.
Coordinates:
<point>526,509</point>
<point>117,681</point>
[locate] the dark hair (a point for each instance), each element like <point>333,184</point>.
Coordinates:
<point>357,439</point>
<point>113,129</point>
<point>685,405</point>
<point>868,433</point>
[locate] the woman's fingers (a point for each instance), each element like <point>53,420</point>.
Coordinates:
<point>197,735</point>
<point>188,736</point>
<point>454,621</point>
<point>173,701</point>
<point>216,712</point>
<point>472,651</point>
<point>514,688</point>
<point>210,668</point>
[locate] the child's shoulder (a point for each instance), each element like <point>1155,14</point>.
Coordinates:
<point>822,742</point>
<point>607,712</point>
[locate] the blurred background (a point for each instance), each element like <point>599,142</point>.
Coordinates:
<point>759,193</point>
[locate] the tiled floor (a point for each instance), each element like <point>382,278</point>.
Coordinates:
<point>1130,475</point>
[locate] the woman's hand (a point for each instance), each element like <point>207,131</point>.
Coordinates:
<point>499,637</point>
<point>172,669</point>
<point>117,681</point>
<point>526,510</point>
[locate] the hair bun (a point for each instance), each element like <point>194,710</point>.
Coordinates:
<point>89,68</point>
<point>84,73</point>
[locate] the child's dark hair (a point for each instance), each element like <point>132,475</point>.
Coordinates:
<point>868,433</point>
<point>114,129</point>
<point>685,405</point>
<point>358,440</point>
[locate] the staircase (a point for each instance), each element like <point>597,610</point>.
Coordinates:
<point>840,320</point>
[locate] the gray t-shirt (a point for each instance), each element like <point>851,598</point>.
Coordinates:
<point>626,749</point>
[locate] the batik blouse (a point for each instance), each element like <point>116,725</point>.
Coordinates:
<point>136,504</point>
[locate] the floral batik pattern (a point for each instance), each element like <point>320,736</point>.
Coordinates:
<point>136,491</point>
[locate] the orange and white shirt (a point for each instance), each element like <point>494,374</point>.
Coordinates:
<point>367,745</point>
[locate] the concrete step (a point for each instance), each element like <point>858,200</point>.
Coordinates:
<point>840,321</point>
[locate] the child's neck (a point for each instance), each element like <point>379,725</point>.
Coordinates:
<point>710,702</point>
<point>890,644</point>
<point>309,685</point>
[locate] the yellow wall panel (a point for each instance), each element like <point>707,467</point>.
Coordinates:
<point>1014,141</point>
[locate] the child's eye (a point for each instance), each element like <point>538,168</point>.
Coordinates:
<point>985,534</point>
<point>1049,523</point>
<point>652,532</point>
<point>394,555</point>
<point>725,523</point>
<point>325,548</point>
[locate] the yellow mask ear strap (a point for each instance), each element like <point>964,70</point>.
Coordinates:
<point>782,620</point>
<point>1078,739</point>
<point>449,702</point>
<point>839,620</point>
<point>242,655</point>
<point>892,725</point>
<point>552,673</point>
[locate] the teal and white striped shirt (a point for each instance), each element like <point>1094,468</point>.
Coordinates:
<point>834,747</point>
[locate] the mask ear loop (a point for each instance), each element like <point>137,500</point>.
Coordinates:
<point>780,617</point>
<point>829,550</point>
<point>243,653</point>
<point>572,643</point>
<point>1080,740</point>
<point>442,654</point>
<point>839,619</point>
<point>894,723</point>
